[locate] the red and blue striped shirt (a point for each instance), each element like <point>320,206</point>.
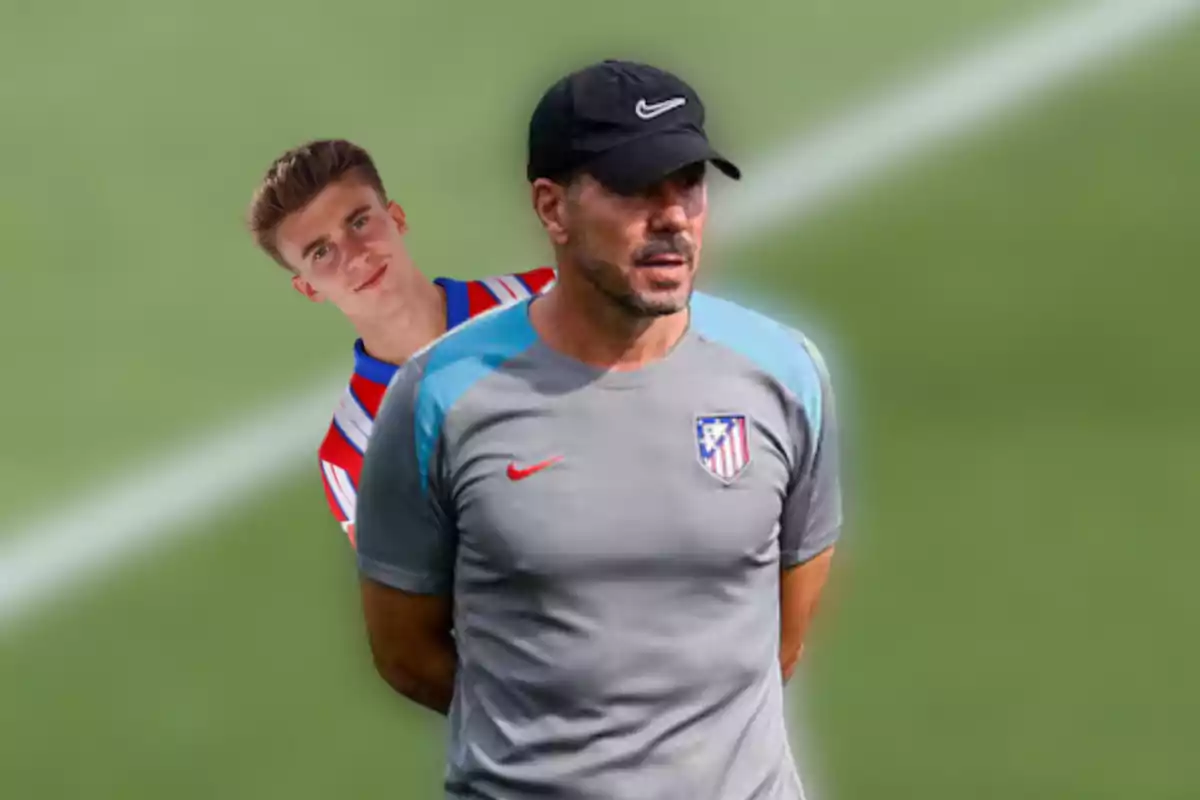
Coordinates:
<point>341,452</point>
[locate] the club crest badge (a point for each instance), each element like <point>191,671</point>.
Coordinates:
<point>723,444</point>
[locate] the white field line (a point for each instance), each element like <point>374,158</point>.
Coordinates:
<point>192,484</point>
<point>953,98</point>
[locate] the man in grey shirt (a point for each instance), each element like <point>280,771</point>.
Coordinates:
<point>593,526</point>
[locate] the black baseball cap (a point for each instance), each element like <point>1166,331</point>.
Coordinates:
<point>626,124</point>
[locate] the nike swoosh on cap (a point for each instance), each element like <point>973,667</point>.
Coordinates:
<point>651,110</point>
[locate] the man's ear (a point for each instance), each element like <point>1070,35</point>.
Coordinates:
<point>397,214</point>
<point>305,288</point>
<point>550,204</point>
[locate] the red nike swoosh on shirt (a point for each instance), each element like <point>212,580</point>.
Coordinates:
<point>516,473</point>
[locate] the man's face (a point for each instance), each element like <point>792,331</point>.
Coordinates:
<point>641,250</point>
<point>343,245</point>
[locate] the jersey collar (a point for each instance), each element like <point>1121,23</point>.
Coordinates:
<point>458,308</point>
<point>371,368</point>
<point>457,312</point>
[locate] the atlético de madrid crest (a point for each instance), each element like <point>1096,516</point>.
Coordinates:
<point>723,443</point>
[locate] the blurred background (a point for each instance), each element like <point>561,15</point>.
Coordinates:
<point>1009,314</point>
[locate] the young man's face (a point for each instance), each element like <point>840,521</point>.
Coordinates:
<point>343,246</point>
<point>642,250</point>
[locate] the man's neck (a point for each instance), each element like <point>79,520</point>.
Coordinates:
<point>396,333</point>
<point>576,319</point>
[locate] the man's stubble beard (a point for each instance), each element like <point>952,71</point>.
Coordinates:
<point>623,296</point>
<point>608,279</point>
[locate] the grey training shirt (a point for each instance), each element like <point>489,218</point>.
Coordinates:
<point>613,543</point>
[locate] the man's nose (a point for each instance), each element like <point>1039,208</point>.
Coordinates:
<point>670,210</point>
<point>359,255</point>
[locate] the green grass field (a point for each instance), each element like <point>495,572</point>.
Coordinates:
<point>1010,323</point>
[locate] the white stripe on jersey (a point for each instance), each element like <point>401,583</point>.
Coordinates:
<point>500,289</point>
<point>354,421</point>
<point>342,488</point>
<point>515,286</point>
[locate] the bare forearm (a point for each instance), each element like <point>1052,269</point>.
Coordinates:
<point>791,640</point>
<point>800,591</point>
<point>789,657</point>
<point>428,678</point>
<point>412,644</point>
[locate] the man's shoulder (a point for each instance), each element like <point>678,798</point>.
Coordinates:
<point>536,280</point>
<point>341,446</point>
<point>353,419</point>
<point>782,351</point>
<point>432,385</point>
<point>466,299</point>
<point>458,359</point>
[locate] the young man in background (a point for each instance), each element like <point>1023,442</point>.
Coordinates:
<point>322,213</point>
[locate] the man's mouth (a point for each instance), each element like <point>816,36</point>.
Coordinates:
<point>372,279</point>
<point>663,260</point>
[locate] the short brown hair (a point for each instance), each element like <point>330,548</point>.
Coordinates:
<point>299,175</point>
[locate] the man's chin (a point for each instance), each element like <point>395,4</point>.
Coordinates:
<point>661,303</point>
<point>646,297</point>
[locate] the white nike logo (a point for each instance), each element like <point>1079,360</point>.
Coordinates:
<point>651,110</point>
